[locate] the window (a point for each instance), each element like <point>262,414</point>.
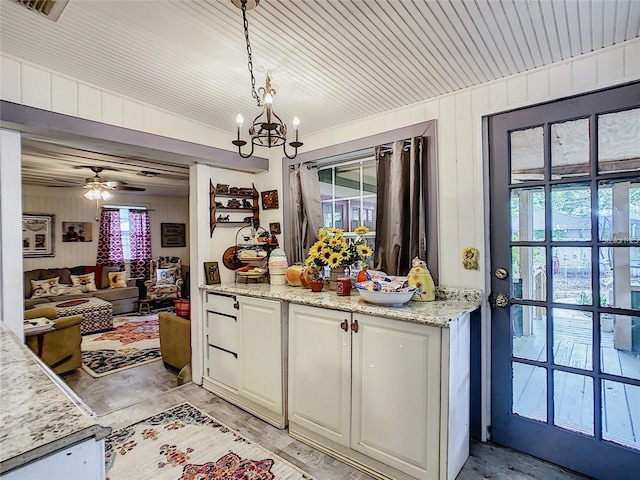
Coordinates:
<point>348,194</point>
<point>125,228</point>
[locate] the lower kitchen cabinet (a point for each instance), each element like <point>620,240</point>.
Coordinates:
<point>245,354</point>
<point>388,396</point>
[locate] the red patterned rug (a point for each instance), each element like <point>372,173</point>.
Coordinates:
<point>184,443</point>
<point>133,341</point>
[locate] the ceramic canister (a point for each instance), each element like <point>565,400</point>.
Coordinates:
<point>343,286</point>
<point>278,262</point>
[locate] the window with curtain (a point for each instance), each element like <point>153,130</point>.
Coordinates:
<point>125,236</point>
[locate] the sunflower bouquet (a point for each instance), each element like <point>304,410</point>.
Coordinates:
<point>334,250</point>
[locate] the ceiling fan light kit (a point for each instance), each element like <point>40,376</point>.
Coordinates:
<point>266,129</point>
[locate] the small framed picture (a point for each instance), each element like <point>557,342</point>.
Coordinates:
<point>76,232</point>
<point>37,235</point>
<point>274,228</point>
<point>172,235</point>
<point>269,199</point>
<point>211,273</point>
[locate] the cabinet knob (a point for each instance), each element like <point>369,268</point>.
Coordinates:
<point>345,326</point>
<point>236,305</point>
<point>354,326</point>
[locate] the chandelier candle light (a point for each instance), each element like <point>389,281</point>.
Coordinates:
<point>267,129</point>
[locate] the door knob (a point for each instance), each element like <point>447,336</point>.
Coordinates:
<point>500,300</point>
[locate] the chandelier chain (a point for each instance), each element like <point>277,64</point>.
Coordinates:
<point>254,94</point>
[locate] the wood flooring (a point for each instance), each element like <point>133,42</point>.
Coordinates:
<point>132,395</point>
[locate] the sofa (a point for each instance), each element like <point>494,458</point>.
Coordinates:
<point>124,299</point>
<point>61,347</point>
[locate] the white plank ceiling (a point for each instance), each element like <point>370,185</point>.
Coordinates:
<point>331,61</point>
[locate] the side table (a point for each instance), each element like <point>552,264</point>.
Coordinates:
<point>144,305</point>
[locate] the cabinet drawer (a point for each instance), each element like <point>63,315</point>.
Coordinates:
<point>222,331</point>
<point>223,367</point>
<point>221,303</point>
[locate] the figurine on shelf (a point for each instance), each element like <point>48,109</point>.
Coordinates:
<point>233,203</point>
<point>246,203</point>
<point>245,191</point>
<point>247,219</point>
<point>222,188</point>
<point>218,204</point>
<point>223,219</point>
<point>233,190</point>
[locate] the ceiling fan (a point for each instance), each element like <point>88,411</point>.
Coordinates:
<point>98,183</point>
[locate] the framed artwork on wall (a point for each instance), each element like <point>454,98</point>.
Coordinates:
<point>211,273</point>
<point>37,235</point>
<point>269,199</point>
<point>172,235</point>
<point>77,231</point>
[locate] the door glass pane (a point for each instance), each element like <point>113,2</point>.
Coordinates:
<point>529,332</point>
<point>529,274</point>
<point>621,413</point>
<point>570,149</point>
<point>527,214</point>
<point>571,212</point>
<point>529,391</point>
<point>527,155</point>
<point>573,338</point>
<point>573,402</point>
<point>619,211</point>
<point>619,141</point>
<point>572,275</point>
<point>620,345</point>
<point>620,277</point>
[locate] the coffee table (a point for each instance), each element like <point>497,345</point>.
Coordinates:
<point>97,314</point>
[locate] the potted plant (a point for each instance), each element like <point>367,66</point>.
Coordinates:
<point>337,252</point>
<point>317,281</point>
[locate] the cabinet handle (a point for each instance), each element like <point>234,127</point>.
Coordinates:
<point>345,326</point>
<point>354,326</point>
<point>236,305</point>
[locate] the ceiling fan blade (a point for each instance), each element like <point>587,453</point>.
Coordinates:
<point>131,189</point>
<point>114,183</point>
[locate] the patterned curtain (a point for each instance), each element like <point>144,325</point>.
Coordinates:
<point>140,243</point>
<point>109,241</point>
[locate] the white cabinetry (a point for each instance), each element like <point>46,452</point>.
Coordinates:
<point>374,392</point>
<point>244,354</point>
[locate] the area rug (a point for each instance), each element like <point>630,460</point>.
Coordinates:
<point>184,443</point>
<point>133,341</point>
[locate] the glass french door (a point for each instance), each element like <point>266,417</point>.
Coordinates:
<point>565,265</point>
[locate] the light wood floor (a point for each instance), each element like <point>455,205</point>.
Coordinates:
<point>135,394</point>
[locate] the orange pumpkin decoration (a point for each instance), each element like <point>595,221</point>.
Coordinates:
<point>306,276</point>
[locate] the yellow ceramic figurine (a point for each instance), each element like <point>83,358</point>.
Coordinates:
<point>420,276</point>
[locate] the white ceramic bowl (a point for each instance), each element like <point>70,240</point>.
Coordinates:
<point>385,298</point>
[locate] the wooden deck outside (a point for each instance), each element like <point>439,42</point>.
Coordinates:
<point>573,396</point>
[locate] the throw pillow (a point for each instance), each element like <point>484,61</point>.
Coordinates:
<point>86,282</point>
<point>117,279</point>
<point>44,288</point>
<point>166,276</point>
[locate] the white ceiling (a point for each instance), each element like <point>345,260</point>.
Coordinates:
<point>331,61</point>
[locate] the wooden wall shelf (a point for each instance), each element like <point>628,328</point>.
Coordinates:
<point>214,210</point>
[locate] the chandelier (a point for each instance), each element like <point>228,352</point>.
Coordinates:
<point>267,129</point>
<point>97,193</point>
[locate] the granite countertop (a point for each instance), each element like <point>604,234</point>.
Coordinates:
<point>450,303</point>
<point>37,416</point>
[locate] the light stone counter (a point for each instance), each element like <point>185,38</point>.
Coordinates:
<point>450,303</point>
<point>37,416</point>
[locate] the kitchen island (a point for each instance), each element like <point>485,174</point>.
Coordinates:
<point>385,389</point>
<point>45,430</point>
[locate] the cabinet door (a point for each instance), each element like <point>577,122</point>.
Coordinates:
<point>319,371</point>
<point>396,394</point>
<point>261,353</point>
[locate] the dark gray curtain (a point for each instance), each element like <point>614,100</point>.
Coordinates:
<point>306,209</point>
<point>400,217</point>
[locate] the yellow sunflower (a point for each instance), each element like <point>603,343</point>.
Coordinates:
<point>325,254</point>
<point>364,251</point>
<point>315,249</point>
<point>361,230</point>
<point>334,260</point>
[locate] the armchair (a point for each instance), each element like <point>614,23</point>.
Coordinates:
<point>61,347</point>
<point>175,340</point>
<point>166,278</point>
